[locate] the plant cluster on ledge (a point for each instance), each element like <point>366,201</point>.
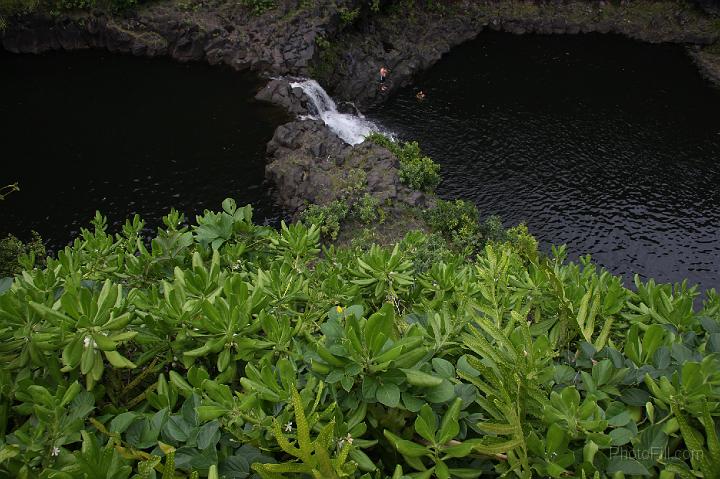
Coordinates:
<point>417,171</point>
<point>228,349</point>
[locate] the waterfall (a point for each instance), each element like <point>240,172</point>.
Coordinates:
<point>350,128</point>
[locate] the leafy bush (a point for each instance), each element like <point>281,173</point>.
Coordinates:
<point>327,217</point>
<point>523,242</point>
<point>416,170</point>
<point>419,172</point>
<point>347,16</point>
<point>78,4</point>
<point>367,210</point>
<point>223,351</point>
<point>16,255</point>
<point>425,250</point>
<point>9,8</point>
<point>259,6</point>
<point>331,216</point>
<point>459,222</point>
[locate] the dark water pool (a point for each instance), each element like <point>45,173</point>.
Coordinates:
<point>82,131</point>
<point>606,144</point>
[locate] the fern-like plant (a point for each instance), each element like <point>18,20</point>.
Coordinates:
<point>315,456</point>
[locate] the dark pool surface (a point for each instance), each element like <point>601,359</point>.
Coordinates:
<point>606,144</point>
<point>82,131</point>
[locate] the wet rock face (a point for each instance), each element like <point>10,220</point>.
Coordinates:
<point>280,92</point>
<point>708,64</point>
<point>279,42</point>
<point>410,42</point>
<point>310,164</point>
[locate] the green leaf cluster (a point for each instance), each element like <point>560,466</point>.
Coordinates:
<point>227,349</point>
<point>417,171</point>
<point>459,223</point>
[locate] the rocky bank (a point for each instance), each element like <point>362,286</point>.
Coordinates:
<point>307,161</point>
<point>708,63</point>
<point>278,42</point>
<point>411,41</point>
<point>310,164</point>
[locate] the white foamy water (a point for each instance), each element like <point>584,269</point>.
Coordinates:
<point>351,128</point>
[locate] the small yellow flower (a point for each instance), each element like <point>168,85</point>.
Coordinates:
<point>339,310</point>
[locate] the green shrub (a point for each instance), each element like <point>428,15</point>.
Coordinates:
<point>417,171</point>
<point>258,6</point>
<point>16,7</point>
<point>367,210</point>
<point>16,255</point>
<point>328,59</point>
<point>519,236</point>
<point>23,7</point>
<point>420,172</point>
<point>426,250</point>
<point>228,349</point>
<point>458,221</point>
<point>353,185</point>
<point>713,49</point>
<point>347,16</point>
<point>330,217</point>
<point>382,140</point>
<point>81,4</point>
<point>327,217</point>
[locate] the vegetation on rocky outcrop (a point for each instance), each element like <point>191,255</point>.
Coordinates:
<point>417,171</point>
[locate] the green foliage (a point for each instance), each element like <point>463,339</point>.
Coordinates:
<point>214,229</point>
<point>417,171</point>
<point>315,456</point>
<point>79,4</point>
<point>258,6</point>
<point>227,349</point>
<point>385,273</point>
<point>347,16</point>
<point>328,217</point>
<point>459,222</point>
<point>16,255</point>
<point>368,211</point>
<point>327,60</point>
<point>10,8</point>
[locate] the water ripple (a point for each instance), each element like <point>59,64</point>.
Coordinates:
<point>619,163</point>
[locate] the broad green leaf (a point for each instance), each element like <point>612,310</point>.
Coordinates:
<point>388,394</point>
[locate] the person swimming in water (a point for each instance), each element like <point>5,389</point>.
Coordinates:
<point>383,73</point>
<point>420,95</point>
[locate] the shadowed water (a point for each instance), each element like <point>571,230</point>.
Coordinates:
<point>82,131</point>
<point>606,144</point>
